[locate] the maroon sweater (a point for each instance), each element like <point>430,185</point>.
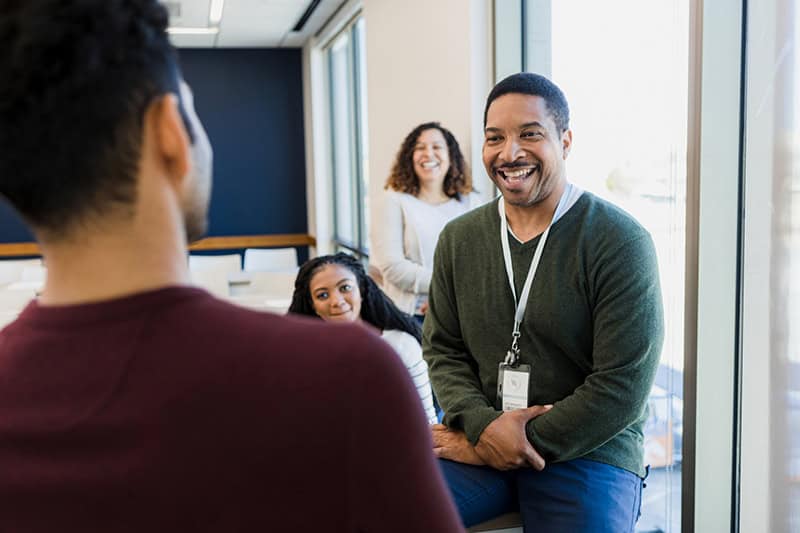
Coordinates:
<point>173,411</point>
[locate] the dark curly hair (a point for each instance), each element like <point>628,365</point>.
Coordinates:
<point>533,85</point>
<point>76,77</point>
<point>458,180</point>
<point>376,308</point>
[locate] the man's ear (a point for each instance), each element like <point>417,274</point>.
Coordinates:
<point>566,143</point>
<point>170,139</point>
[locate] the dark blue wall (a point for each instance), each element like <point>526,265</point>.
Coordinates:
<point>12,229</point>
<point>251,104</point>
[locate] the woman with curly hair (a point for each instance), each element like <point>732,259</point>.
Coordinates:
<point>336,288</point>
<point>430,184</point>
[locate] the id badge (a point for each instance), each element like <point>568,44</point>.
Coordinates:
<point>512,386</point>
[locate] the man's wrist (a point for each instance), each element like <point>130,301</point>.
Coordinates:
<point>476,421</point>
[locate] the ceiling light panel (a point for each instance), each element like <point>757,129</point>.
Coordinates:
<point>258,23</point>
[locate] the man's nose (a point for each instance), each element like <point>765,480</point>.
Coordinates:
<point>511,150</point>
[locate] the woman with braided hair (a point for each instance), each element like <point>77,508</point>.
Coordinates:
<point>337,288</point>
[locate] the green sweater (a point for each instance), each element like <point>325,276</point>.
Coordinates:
<point>592,331</point>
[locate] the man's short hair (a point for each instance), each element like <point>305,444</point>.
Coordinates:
<point>76,78</point>
<point>534,85</point>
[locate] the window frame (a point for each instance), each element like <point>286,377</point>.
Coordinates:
<point>356,140</point>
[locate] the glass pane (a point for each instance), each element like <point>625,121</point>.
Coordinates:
<point>341,90</point>
<point>628,97</point>
<point>507,37</point>
<point>788,296</point>
<point>771,270</point>
<point>784,268</point>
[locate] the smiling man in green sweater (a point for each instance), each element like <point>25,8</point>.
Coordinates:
<point>554,292</point>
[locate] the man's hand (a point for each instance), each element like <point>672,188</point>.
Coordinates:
<point>453,444</point>
<point>504,445</point>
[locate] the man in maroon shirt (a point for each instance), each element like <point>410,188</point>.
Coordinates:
<point>129,401</point>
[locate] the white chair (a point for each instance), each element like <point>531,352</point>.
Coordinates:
<point>34,273</point>
<point>215,263</point>
<point>277,306</point>
<point>214,281</point>
<point>15,301</point>
<point>11,269</point>
<point>270,284</point>
<point>270,260</point>
<point>7,317</point>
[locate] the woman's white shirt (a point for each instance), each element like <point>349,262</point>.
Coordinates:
<point>404,241</point>
<point>410,353</point>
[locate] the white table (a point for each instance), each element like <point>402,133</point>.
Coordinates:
<point>265,291</point>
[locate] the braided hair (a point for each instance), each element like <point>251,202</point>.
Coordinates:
<point>376,308</point>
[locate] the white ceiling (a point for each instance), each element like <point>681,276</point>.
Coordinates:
<point>248,23</point>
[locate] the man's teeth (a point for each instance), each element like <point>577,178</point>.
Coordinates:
<point>516,173</point>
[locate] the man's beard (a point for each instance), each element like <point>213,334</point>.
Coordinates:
<point>197,202</point>
<point>195,210</point>
<point>196,224</point>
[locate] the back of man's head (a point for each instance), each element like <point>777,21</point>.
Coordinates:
<point>533,85</point>
<point>76,77</point>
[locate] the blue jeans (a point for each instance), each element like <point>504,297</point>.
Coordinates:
<point>571,497</point>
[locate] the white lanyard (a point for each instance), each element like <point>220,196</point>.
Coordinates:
<point>513,355</point>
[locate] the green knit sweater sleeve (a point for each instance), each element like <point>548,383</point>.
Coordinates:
<point>453,370</point>
<point>627,336</point>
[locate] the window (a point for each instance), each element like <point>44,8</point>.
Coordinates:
<point>623,65</point>
<point>346,66</point>
<point>770,319</point>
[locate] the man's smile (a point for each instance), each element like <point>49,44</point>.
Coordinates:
<point>515,175</point>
